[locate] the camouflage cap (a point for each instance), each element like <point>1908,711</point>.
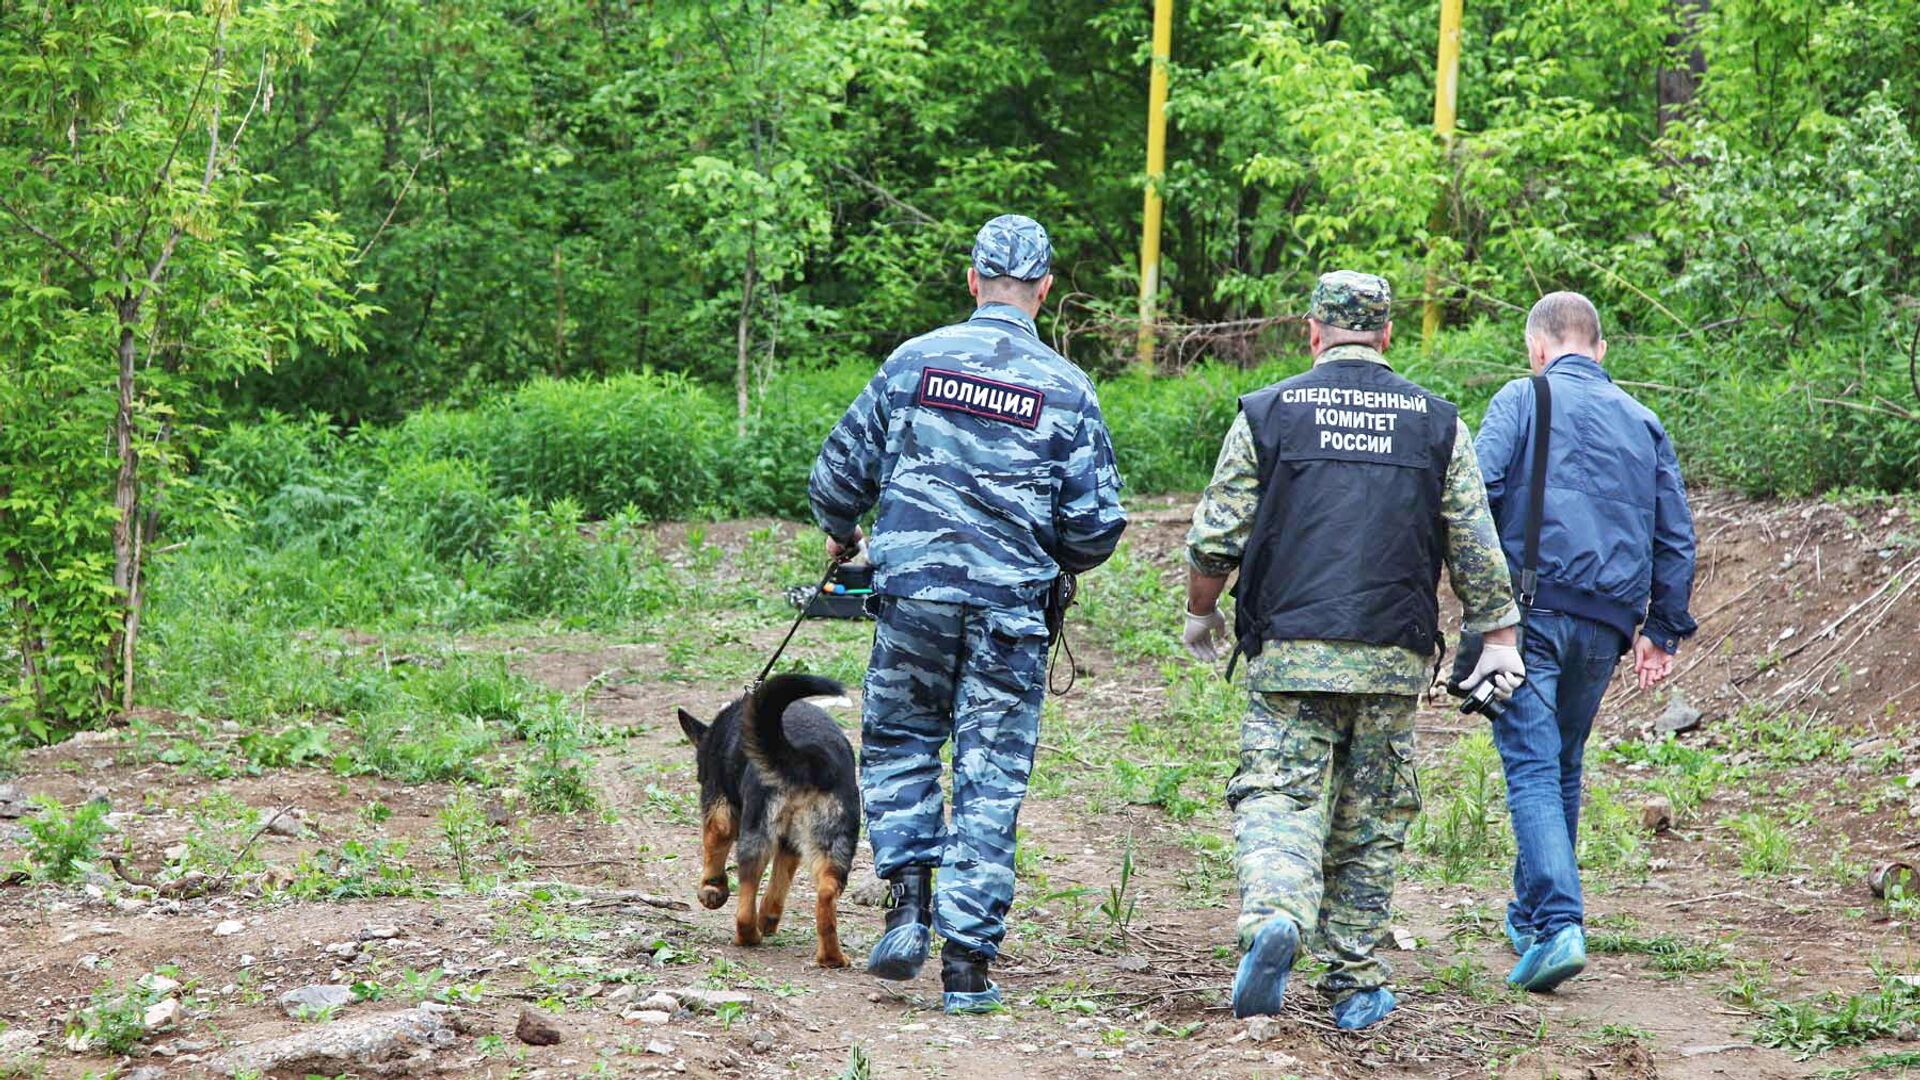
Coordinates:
<point>1352,301</point>
<point>1014,246</point>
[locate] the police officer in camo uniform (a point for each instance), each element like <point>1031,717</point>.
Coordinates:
<point>989,464</point>
<point>1338,495</point>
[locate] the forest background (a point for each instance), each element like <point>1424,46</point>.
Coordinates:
<point>376,313</point>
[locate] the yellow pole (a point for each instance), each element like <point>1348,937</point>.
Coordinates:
<point>1446,87</point>
<point>1156,171</point>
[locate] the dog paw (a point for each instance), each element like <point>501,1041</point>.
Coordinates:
<point>834,959</point>
<point>768,924</point>
<point>712,897</point>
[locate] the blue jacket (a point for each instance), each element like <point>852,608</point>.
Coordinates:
<point>989,463</point>
<point>1616,540</point>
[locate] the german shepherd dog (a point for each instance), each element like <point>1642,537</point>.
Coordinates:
<point>777,780</point>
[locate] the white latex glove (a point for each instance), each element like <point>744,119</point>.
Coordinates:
<point>1204,634</point>
<point>1501,663</point>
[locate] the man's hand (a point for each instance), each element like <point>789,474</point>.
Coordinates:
<point>846,548</point>
<point>1499,661</point>
<point>1204,635</point>
<point>1650,662</point>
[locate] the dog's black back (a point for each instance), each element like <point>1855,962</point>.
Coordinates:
<point>777,777</point>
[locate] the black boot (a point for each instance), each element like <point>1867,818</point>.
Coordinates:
<point>963,976</point>
<point>903,948</point>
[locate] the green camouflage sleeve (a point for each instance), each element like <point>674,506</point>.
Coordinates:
<point>1475,564</point>
<point>1224,518</point>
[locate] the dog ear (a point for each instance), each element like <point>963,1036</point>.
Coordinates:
<point>692,726</point>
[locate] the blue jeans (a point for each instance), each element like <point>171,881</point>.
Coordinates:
<point>1542,739</point>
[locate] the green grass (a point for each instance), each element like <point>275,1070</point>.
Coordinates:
<point>1462,833</point>
<point>1836,1019</point>
<point>1670,954</point>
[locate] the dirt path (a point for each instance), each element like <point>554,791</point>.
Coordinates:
<point>568,915</point>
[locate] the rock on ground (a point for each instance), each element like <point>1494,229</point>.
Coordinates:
<point>1656,814</point>
<point>347,1045</point>
<point>17,1041</point>
<point>161,1015</point>
<point>1679,716</point>
<point>313,998</point>
<point>536,1028</point>
<point>699,1000</point>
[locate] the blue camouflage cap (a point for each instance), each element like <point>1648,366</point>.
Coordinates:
<point>1015,246</point>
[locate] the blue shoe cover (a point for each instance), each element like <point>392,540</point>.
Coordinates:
<point>1364,1009</point>
<point>1552,962</point>
<point>900,952</point>
<point>973,1004</point>
<point>1262,979</point>
<point>1521,942</point>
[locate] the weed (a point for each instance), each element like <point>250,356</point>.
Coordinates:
<point>1671,955</point>
<point>1611,838</point>
<point>61,843</point>
<point>554,774</point>
<point>466,834</point>
<point>1834,1020</point>
<point>1464,831</point>
<point>361,868</point>
<point>859,1065</point>
<point>113,1018</point>
<point>1119,905</point>
<point>1900,1062</point>
<point>1749,985</point>
<point>1765,845</point>
<point>727,1012</point>
<point>1466,975</point>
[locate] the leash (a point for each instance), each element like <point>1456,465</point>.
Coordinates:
<point>754,687</point>
<point>1065,588</point>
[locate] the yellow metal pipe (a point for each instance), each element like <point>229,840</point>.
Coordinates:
<point>1446,92</point>
<point>1156,172</point>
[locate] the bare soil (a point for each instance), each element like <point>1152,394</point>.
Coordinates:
<point>1091,1001</point>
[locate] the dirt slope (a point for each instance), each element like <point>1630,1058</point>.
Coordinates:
<point>592,915</point>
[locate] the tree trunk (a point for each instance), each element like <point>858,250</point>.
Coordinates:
<point>1676,86</point>
<point>126,504</point>
<point>559,314</point>
<point>743,341</point>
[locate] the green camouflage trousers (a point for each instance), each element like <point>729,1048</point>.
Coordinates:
<point>1322,801</point>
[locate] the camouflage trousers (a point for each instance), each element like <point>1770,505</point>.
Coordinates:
<point>977,676</point>
<point>1322,801</point>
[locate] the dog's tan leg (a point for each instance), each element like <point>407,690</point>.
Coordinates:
<point>716,842</point>
<point>828,881</point>
<point>746,916</point>
<point>774,904</point>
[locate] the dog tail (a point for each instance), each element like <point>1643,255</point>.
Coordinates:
<point>765,732</point>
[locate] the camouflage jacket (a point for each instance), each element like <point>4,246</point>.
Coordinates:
<point>989,463</point>
<point>1475,565</point>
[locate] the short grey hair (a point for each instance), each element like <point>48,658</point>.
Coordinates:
<point>1564,316</point>
<point>1009,290</point>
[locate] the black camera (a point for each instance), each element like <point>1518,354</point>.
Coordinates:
<point>1480,699</point>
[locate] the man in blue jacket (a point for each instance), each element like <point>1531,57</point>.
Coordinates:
<point>1615,567</point>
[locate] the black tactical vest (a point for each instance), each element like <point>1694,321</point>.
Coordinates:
<point>1348,536</point>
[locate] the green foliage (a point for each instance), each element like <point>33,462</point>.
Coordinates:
<point>1837,1019</point>
<point>61,843</point>
<point>554,774</point>
<point>138,276</point>
<point>1462,828</point>
<point>113,1018</point>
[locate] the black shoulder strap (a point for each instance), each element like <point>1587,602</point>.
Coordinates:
<point>1536,488</point>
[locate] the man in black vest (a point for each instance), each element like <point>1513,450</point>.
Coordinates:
<point>1338,495</point>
